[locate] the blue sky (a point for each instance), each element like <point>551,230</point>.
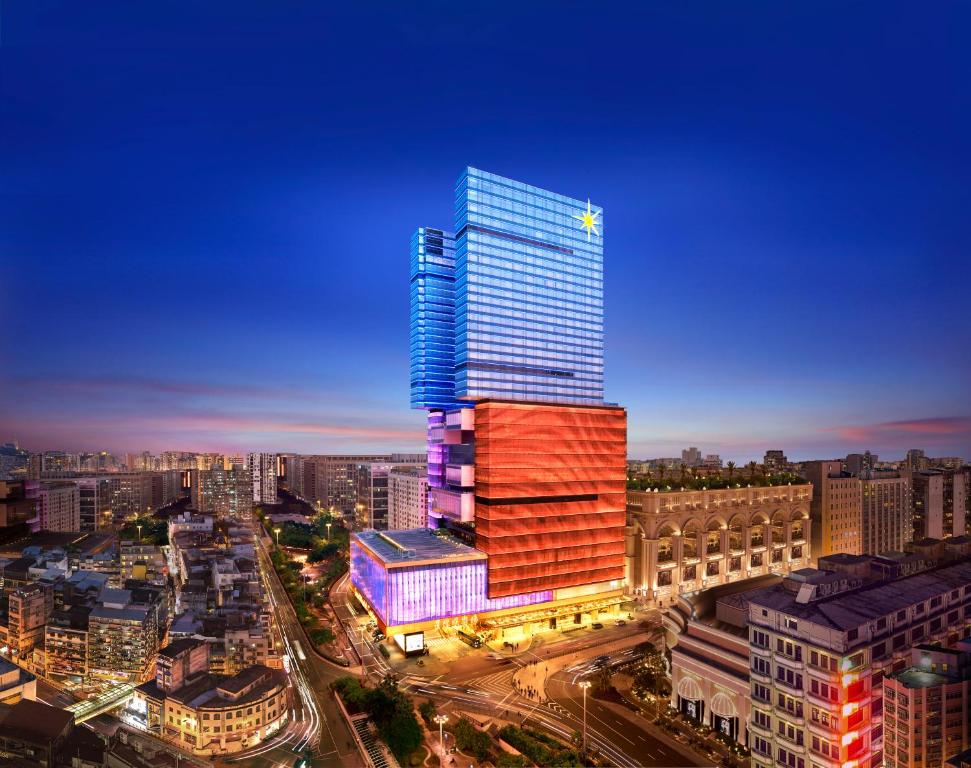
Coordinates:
<point>206,210</point>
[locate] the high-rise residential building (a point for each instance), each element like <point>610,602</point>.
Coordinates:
<point>836,509</point>
<point>691,457</point>
<point>939,502</point>
<point>125,629</point>
<point>28,610</point>
<point>223,493</point>
<point>858,463</point>
<point>775,461</point>
<point>528,466</point>
<point>868,513</point>
<point>408,498</point>
<point>332,480</point>
<point>927,708</point>
<point>95,502</point>
<point>886,514</point>
<point>373,491</point>
<point>821,645</point>
<point>262,466</point>
<point>58,505</point>
<point>916,459</point>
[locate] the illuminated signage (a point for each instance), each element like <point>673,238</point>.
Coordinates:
<point>414,641</point>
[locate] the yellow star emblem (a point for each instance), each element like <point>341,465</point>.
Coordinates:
<point>588,220</point>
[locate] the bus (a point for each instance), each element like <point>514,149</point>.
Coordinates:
<point>469,639</point>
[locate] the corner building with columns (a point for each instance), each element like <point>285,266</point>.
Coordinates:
<point>681,542</point>
<point>526,462</point>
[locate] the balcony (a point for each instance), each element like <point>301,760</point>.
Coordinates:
<point>788,688</point>
<point>790,661</point>
<point>829,705</point>
<point>790,743</point>
<point>762,677</point>
<point>765,730</point>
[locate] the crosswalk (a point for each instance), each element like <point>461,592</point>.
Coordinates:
<point>498,683</point>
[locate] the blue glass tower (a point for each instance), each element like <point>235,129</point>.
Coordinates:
<point>528,293</point>
<point>432,319</point>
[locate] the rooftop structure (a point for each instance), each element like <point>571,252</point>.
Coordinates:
<point>415,547</point>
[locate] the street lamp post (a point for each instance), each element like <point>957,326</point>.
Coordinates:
<point>139,533</point>
<point>277,532</point>
<point>441,720</point>
<point>584,684</point>
<point>328,532</point>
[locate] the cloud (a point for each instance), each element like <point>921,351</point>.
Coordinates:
<point>942,430</point>
<point>142,385</point>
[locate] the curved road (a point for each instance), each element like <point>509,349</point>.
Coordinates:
<point>311,675</point>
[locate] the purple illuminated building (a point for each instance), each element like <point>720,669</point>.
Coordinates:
<point>411,577</point>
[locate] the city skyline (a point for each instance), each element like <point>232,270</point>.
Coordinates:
<point>787,277</point>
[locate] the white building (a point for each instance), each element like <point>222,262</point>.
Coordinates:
<point>407,499</point>
<point>58,506</point>
<point>263,468</point>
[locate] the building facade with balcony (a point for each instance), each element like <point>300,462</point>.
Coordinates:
<point>822,642</point>
<point>680,542</point>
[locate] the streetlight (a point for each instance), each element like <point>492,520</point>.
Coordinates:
<point>277,532</point>
<point>441,720</point>
<point>584,684</point>
<point>328,532</point>
<point>139,527</point>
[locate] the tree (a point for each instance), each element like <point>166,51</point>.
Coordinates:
<point>684,472</point>
<point>731,470</point>
<point>469,739</point>
<point>751,470</point>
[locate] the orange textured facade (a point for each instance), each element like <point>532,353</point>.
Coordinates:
<point>550,494</point>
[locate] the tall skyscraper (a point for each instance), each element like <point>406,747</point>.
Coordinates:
<point>526,463</point>
<point>528,293</point>
<point>432,319</point>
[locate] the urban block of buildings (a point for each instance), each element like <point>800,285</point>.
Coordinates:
<point>207,713</point>
<point>801,667</point>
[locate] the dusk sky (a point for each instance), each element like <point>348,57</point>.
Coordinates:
<point>206,209</point>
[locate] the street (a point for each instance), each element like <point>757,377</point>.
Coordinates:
<point>314,703</point>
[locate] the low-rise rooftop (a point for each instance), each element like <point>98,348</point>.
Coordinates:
<point>855,607</point>
<point>414,546</point>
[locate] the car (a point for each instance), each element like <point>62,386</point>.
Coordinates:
<point>378,635</point>
<point>596,625</point>
<point>621,623</point>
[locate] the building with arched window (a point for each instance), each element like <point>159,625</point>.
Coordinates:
<point>679,542</point>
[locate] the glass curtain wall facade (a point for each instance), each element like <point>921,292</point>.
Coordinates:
<point>528,293</point>
<point>432,330</point>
